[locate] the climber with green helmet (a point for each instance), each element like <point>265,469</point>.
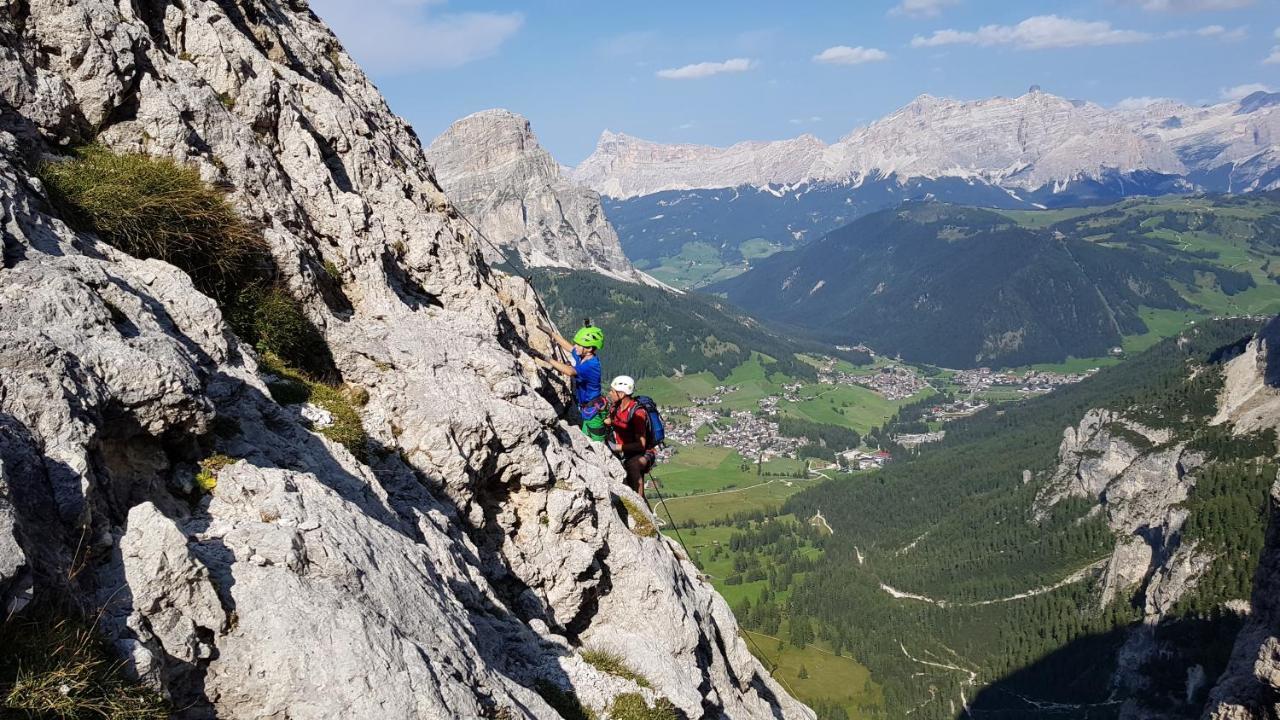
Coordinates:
<point>585,373</point>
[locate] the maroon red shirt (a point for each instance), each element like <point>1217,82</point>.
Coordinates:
<point>630,433</point>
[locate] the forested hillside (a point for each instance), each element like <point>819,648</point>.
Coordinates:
<point>651,332</point>
<point>657,226</point>
<point>941,579</point>
<point>964,287</point>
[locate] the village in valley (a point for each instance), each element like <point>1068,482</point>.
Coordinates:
<point>755,433</point>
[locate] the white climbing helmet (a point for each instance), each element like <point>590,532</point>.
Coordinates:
<point>623,384</point>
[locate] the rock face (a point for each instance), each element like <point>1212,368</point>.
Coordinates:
<point>623,166</point>
<point>1249,689</point>
<point>1034,143</point>
<point>453,573</point>
<point>491,166</point>
<point>1229,147</point>
<point>1250,397</point>
<point>1139,480</point>
<point>1024,143</point>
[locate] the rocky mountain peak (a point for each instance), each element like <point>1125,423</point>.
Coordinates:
<point>624,166</point>
<point>1257,101</point>
<point>491,165</point>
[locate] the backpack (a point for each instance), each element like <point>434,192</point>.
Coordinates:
<point>657,431</point>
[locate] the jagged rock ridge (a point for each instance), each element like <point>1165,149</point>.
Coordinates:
<point>491,165</point>
<point>473,553</point>
<point>1034,143</point>
<point>623,166</point>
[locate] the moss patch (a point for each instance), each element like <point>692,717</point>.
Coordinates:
<point>294,387</point>
<point>207,478</point>
<point>612,663</point>
<point>640,522</point>
<point>631,706</point>
<point>56,667</point>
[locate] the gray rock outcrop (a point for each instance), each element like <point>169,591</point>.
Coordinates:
<point>1139,478</point>
<point>460,567</point>
<point>1249,688</point>
<point>491,165</point>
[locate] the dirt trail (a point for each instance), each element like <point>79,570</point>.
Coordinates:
<point>818,518</point>
<point>1074,577</point>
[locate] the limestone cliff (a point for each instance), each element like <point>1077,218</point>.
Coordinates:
<point>1250,687</point>
<point>492,166</point>
<point>455,565</point>
<point>1141,480</point>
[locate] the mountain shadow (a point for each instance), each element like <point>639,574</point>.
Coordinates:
<point>1163,670</point>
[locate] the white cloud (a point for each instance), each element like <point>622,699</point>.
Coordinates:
<point>398,36</point>
<point>804,121</point>
<point>1220,32</point>
<point>845,55</point>
<point>1190,5</point>
<point>1274,57</point>
<point>921,8</point>
<point>1240,92</point>
<point>1138,103</point>
<point>1036,33</point>
<point>707,69</point>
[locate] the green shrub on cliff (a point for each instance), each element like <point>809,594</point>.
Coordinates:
<point>292,387</point>
<point>631,706</point>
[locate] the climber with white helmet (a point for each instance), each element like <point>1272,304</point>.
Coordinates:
<point>585,372</point>
<point>631,434</point>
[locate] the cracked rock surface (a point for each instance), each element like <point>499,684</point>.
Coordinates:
<point>478,548</point>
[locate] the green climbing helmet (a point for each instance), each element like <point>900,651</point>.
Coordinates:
<point>592,337</point>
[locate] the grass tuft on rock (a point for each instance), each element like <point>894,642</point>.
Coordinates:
<point>332,271</point>
<point>632,706</point>
<point>612,663</point>
<point>153,207</point>
<point>640,522</point>
<point>271,320</point>
<point>293,387</point>
<point>53,666</point>
<point>564,702</point>
<point>207,478</point>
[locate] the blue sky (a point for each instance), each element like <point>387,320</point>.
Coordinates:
<point>713,72</point>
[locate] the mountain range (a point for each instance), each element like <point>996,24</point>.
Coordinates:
<point>1033,151</point>
<point>1034,143</point>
